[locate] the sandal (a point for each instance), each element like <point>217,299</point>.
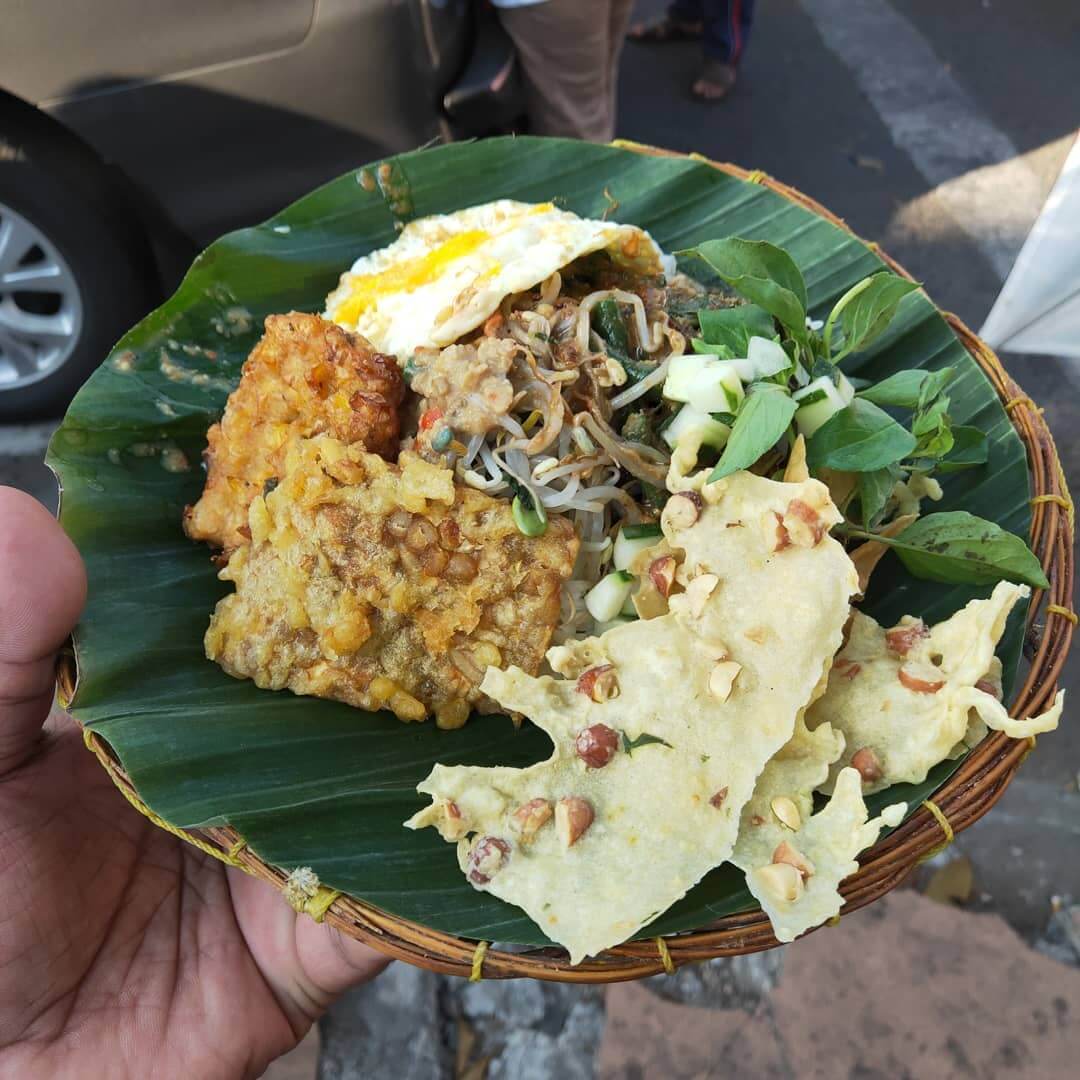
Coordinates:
<point>663,30</point>
<point>715,82</point>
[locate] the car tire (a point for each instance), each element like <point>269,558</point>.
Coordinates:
<point>94,255</point>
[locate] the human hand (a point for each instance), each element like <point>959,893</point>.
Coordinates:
<point>123,950</point>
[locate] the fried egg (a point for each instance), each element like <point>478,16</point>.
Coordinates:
<point>446,274</point>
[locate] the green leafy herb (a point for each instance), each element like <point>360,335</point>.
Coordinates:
<point>706,348</point>
<point>860,438</point>
<point>765,274</point>
<point>932,428</point>
<point>733,327</point>
<point>902,389</point>
<point>765,414</point>
<point>969,448</point>
<point>608,323</point>
<point>866,310</point>
<point>932,387</point>
<point>958,548</point>
<point>644,739</point>
<point>874,490</point>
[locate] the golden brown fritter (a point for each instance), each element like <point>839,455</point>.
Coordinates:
<point>386,586</point>
<point>306,376</point>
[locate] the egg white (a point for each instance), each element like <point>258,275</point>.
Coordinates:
<point>446,274</point>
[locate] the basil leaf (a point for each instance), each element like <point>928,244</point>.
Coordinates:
<point>933,430</point>
<point>930,391</point>
<point>644,739</point>
<point>824,368</point>
<point>733,327</point>
<point>901,389</point>
<point>969,449</point>
<point>860,438</point>
<point>866,313</point>
<point>608,323</point>
<point>874,489</point>
<point>958,548</point>
<point>709,349</point>
<point>765,274</point>
<point>764,416</point>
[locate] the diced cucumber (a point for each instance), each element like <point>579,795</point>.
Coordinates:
<point>628,547</point>
<point>712,384</point>
<point>764,358</point>
<point>628,610</point>
<point>811,395</point>
<point>645,528</point>
<point>819,400</point>
<point>692,422</point>
<point>621,620</point>
<point>605,599</point>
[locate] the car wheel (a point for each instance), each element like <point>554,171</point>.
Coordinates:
<point>76,269</point>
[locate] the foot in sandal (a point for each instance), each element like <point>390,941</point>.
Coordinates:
<point>715,82</point>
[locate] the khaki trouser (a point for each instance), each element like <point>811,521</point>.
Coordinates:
<point>569,52</point>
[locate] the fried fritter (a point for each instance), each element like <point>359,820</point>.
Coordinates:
<point>386,586</point>
<point>305,377</point>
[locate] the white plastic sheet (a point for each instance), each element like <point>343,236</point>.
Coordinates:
<point>1038,309</point>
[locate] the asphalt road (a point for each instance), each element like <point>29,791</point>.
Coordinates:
<point>937,130</point>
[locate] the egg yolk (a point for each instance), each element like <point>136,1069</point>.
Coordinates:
<point>404,276</point>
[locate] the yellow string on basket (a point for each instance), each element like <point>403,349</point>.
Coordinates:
<point>1064,612</point>
<point>318,905</point>
<point>834,921</point>
<point>477,972</point>
<point>946,828</point>
<point>234,851</point>
<point>1064,484</point>
<point>665,955</point>
<point>755,176</point>
<point>1016,402</point>
<point>89,738</point>
<point>1065,504</point>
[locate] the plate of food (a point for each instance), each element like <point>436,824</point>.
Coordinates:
<point>583,549</point>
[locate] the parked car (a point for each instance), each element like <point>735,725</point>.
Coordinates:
<point>132,132</point>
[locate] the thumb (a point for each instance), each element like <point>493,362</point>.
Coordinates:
<point>42,591</point>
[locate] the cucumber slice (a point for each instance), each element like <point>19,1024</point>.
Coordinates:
<point>712,384</point>
<point>627,548</point>
<point>605,599</point>
<point>765,358</point>
<point>638,532</point>
<point>692,422</point>
<point>819,400</point>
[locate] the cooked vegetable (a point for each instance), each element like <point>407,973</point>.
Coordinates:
<point>631,541</point>
<point>819,401</point>
<point>605,599</point>
<point>709,383</point>
<point>691,423</point>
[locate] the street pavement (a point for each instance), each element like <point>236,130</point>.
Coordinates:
<point>937,130</point>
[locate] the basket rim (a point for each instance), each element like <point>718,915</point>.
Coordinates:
<point>965,797</point>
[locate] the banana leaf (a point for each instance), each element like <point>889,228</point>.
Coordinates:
<point>315,783</point>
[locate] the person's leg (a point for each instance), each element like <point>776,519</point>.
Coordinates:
<point>726,28</point>
<point>621,11</point>
<point>566,59</point>
<point>681,22</point>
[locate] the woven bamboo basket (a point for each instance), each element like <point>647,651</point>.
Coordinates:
<point>968,794</point>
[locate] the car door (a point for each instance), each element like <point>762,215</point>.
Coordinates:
<point>256,101</point>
